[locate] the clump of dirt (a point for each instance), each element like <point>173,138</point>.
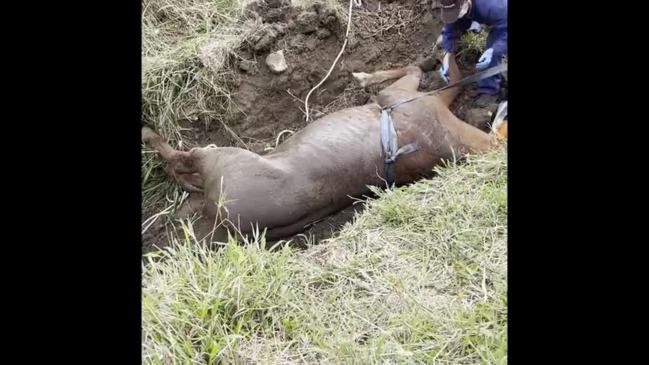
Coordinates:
<point>384,35</point>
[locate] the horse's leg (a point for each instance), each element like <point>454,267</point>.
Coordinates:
<point>406,86</point>
<point>182,165</point>
<point>156,141</point>
<point>408,76</point>
<point>454,75</point>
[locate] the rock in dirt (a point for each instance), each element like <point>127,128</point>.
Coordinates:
<point>276,62</point>
<point>307,22</point>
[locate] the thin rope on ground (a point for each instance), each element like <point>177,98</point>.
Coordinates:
<point>306,100</point>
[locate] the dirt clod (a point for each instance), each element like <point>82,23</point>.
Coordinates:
<point>307,22</point>
<point>265,39</point>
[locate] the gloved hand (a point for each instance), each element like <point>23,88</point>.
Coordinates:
<point>475,27</point>
<point>485,59</point>
<point>443,71</point>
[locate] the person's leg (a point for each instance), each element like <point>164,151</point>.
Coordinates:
<point>491,85</point>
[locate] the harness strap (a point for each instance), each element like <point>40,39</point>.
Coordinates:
<point>389,138</point>
<point>390,143</point>
<point>478,76</point>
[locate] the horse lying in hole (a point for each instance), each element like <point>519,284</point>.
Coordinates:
<point>318,170</point>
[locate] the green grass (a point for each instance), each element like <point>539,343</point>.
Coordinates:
<point>471,47</point>
<point>419,277</point>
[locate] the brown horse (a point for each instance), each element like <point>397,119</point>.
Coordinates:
<point>318,170</point>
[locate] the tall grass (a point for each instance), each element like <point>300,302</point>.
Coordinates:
<point>185,46</point>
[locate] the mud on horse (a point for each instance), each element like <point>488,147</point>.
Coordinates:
<point>316,171</point>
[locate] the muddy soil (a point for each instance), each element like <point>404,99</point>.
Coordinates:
<point>384,35</point>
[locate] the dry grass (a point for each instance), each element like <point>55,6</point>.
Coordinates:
<point>420,277</point>
<point>369,24</point>
<point>471,47</point>
<point>185,46</point>
<point>185,49</point>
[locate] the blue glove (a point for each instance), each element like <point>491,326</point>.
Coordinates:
<point>485,59</point>
<point>443,72</point>
<point>475,27</point>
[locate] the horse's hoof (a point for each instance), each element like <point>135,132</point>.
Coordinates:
<point>148,134</point>
<point>362,77</point>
